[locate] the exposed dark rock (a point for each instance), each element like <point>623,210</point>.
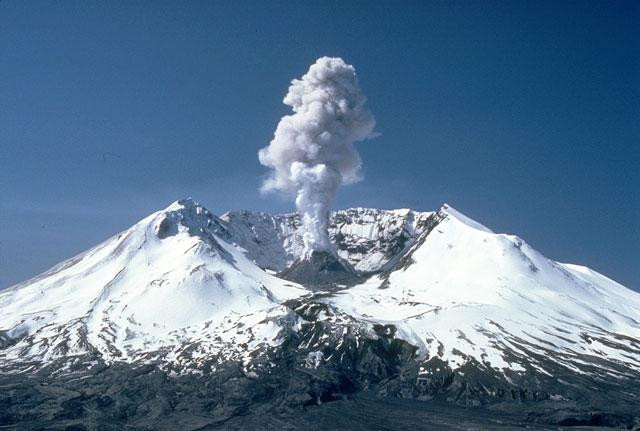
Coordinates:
<point>321,268</point>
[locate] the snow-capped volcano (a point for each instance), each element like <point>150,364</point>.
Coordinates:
<point>435,305</point>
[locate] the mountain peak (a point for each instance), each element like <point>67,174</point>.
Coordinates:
<point>187,213</point>
<point>185,205</point>
<point>453,213</point>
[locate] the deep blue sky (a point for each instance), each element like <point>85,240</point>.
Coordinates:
<point>523,115</point>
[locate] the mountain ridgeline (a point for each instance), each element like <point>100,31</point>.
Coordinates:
<point>195,321</point>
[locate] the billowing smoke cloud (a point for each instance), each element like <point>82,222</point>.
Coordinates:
<point>312,151</point>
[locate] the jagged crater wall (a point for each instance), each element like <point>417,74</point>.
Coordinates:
<point>368,239</point>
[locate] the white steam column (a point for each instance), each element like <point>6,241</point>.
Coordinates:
<point>312,151</point>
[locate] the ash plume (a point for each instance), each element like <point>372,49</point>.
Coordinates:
<point>312,152</point>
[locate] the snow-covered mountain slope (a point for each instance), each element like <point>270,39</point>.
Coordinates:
<point>464,293</point>
<point>165,281</point>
